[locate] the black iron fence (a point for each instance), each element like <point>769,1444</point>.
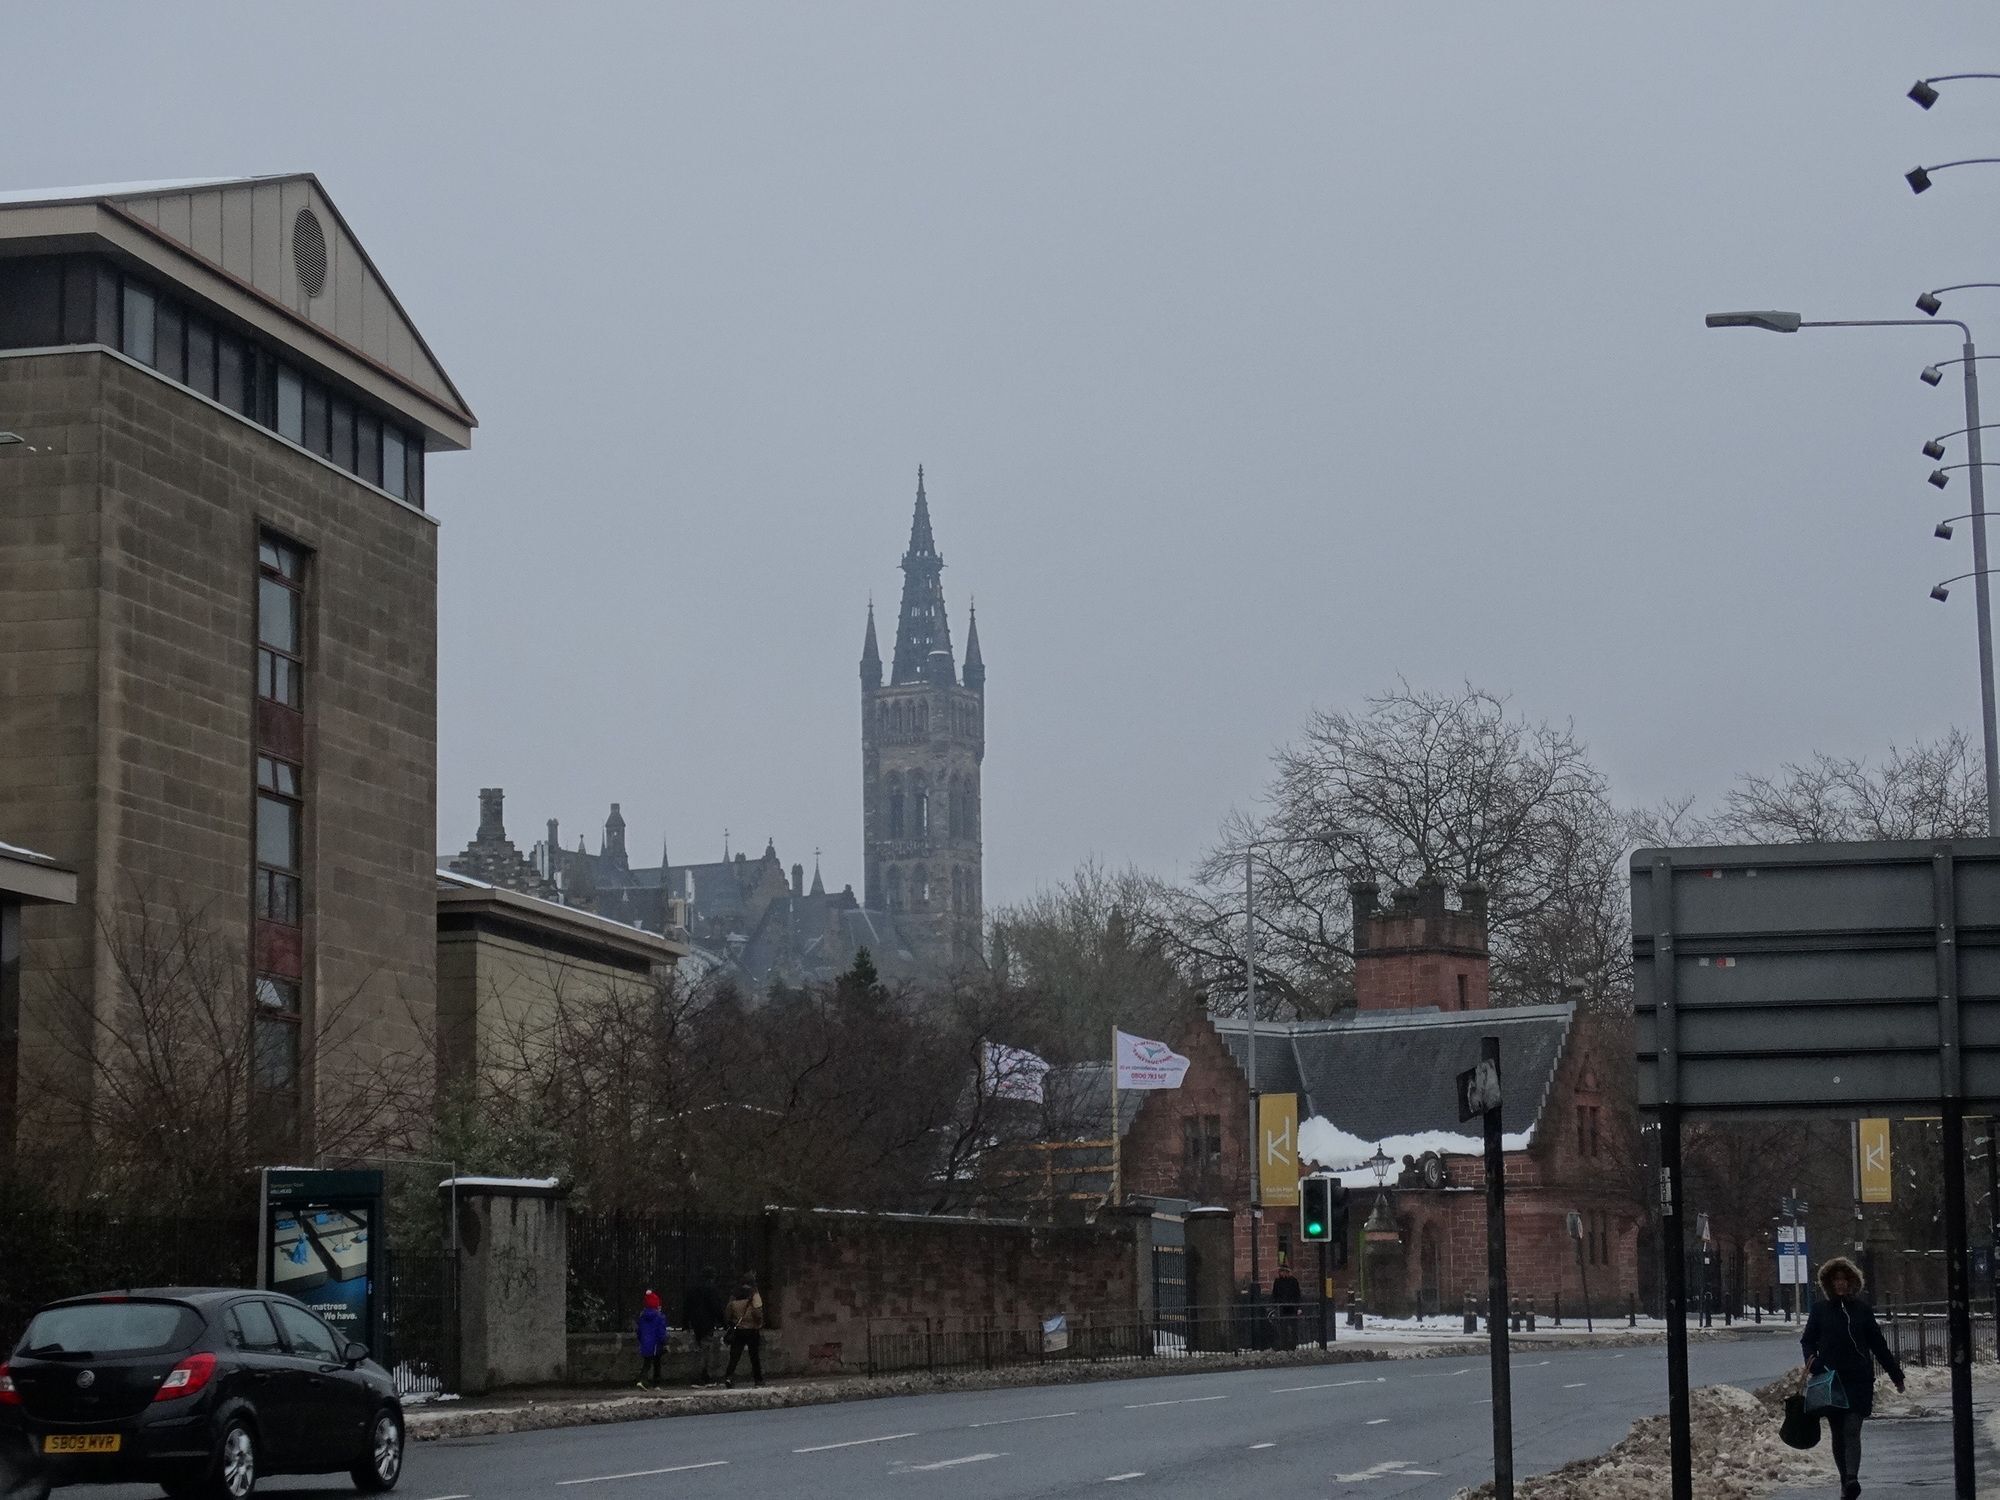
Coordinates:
<point>1919,1333</point>
<point>45,1254</point>
<point>615,1259</point>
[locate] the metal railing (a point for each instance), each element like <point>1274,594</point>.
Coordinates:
<point>1919,1332</point>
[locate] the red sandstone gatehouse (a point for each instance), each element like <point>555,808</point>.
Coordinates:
<point>1386,1074</point>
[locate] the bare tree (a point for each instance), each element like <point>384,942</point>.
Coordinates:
<point>1453,785</point>
<point>1931,789</point>
<point>153,1086</point>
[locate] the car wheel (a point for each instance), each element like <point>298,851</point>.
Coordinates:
<point>233,1473</point>
<point>379,1470</point>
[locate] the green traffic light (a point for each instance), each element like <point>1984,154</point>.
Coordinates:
<point>1314,1227</point>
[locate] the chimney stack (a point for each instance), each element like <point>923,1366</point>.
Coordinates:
<point>798,880</point>
<point>492,827</point>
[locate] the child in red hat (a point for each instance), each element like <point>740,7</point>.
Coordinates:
<point>652,1340</point>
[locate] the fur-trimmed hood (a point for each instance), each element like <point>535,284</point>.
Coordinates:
<point>1840,1263</point>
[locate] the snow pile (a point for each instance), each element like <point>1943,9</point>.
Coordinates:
<point>1324,1144</point>
<point>1737,1455</point>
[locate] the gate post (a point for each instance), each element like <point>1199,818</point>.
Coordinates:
<point>513,1253</point>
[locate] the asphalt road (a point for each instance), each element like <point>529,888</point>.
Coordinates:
<point>1418,1427</point>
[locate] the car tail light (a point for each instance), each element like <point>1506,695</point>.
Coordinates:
<point>8,1395</point>
<point>185,1378</point>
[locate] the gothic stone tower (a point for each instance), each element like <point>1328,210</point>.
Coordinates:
<point>923,736</point>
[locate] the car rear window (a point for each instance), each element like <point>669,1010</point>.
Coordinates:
<point>101,1328</point>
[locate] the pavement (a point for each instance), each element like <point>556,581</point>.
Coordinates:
<point>1907,1456</point>
<point>1408,1428</point>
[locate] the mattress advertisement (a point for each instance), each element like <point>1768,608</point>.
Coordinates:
<point>322,1233</point>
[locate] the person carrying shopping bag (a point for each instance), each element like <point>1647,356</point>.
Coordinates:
<point>745,1319</point>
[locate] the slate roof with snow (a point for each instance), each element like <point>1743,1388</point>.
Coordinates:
<point>1377,1074</point>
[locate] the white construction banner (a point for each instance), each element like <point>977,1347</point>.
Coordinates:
<point>1011,1073</point>
<point>1146,1065</point>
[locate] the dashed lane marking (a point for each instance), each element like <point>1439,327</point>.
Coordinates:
<point>1376,1421</point>
<point>1183,1401</point>
<point>1328,1385</point>
<point>1394,1466</point>
<point>451,1497</point>
<point>1576,1385</point>
<point>1253,1448</point>
<point>1448,1374</point>
<point>1047,1416</point>
<point>713,1463</point>
<point>887,1437</point>
<point>948,1463</point>
<point>1121,1478</point>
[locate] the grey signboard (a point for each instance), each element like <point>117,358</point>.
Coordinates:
<point>1829,978</point>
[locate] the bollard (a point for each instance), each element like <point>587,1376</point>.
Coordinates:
<point>1531,1315</point>
<point>1557,1320</point>
<point>1514,1315</point>
<point>1631,1309</point>
<point>1471,1314</point>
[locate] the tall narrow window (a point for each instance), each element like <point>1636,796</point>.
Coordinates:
<point>895,805</point>
<point>169,335</point>
<point>341,415</point>
<point>201,356</point>
<point>395,464</point>
<point>138,332</point>
<point>279,817</point>
<point>291,404</point>
<point>281,624</point>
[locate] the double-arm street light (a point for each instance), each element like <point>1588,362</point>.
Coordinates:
<point>1975,467</point>
<point>1256,1141</point>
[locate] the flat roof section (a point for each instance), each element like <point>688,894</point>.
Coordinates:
<point>34,879</point>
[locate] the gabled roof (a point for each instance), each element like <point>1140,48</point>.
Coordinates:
<point>242,230</point>
<point>1392,1073</point>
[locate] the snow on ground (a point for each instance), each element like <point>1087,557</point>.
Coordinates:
<point>1737,1454</point>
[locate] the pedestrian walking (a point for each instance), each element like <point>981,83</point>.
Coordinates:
<point>704,1314</point>
<point>745,1319</point>
<point>1285,1298</point>
<point>1842,1335</point>
<point>652,1340</point>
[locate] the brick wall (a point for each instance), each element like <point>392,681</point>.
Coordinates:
<point>127,661</point>
<point>836,1274</point>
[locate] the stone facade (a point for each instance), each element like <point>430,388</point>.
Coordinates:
<point>128,563</point>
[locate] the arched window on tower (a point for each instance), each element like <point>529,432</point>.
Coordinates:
<point>920,889</point>
<point>894,886</point>
<point>951,810</point>
<point>895,804</point>
<point>920,811</point>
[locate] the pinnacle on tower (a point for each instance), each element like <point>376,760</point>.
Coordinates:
<point>922,628</point>
<point>975,664</point>
<point>871,654</point>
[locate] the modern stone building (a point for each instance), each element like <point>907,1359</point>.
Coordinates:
<point>26,879</point>
<point>219,587</point>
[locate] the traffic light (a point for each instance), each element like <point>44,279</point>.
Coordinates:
<point>1336,1220</point>
<point>1316,1209</point>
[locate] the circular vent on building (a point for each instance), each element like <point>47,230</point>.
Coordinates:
<point>309,252</point>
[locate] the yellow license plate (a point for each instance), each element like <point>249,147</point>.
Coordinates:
<point>82,1442</point>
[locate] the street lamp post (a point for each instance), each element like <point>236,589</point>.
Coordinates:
<point>1791,322</point>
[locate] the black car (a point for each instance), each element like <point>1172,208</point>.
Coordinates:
<point>203,1392</point>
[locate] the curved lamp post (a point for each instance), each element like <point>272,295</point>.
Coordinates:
<point>1925,94</point>
<point>1942,591</point>
<point>1791,322</point>
<point>1919,178</point>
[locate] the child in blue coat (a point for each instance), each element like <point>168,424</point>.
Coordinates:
<point>652,1340</point>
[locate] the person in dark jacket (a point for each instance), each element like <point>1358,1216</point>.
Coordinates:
<point>652,1340</point>
<point>745,1315</point>
<point>702,1313</point>
<point>1843,1336</point>
<point>1285,1296</point>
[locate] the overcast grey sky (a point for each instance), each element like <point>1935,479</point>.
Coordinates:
<point>1256,354</point>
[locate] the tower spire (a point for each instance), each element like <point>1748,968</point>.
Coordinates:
<point>871,654</point>
<point>975,664</point>
<point>922,628</point>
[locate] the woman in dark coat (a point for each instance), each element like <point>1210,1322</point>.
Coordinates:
<point>1843,1336</point>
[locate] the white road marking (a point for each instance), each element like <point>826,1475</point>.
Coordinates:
<point>1576,1385</point>
<point>1397,1466</point>
<point>949,1463</point>
<point>451,1497</point>
<point>1448,1374</point>
<point>714,1463</point>
<point>1184,1401</point>
<point>890,1437</point>
<point>1253,1448</point>
<point>1047,1416</point>
<point>1376,1421</point>
<point>1117,1478</point>
<point>1330,1385</point>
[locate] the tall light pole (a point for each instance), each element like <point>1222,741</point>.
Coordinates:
<point>1255,1137</point>
<point>1791,322</point>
